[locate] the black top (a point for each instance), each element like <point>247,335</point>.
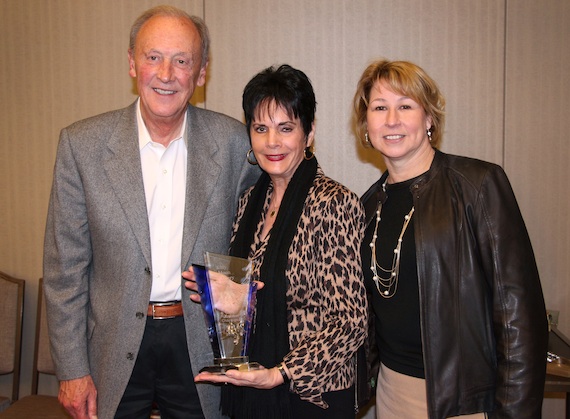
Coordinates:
<point>397,318</point>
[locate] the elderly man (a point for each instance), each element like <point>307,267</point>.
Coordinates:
<point>138,195</point>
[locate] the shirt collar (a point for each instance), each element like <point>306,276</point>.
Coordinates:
<point>144,136</point>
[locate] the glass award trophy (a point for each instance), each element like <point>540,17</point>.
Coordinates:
<point>228,303</point>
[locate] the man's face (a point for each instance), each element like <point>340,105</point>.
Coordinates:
<point>166,63</point>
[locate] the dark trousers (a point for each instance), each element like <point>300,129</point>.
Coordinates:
<point>162,374</point>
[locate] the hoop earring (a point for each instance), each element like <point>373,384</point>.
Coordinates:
<point>308,154</point>
<point>252,162</point>
<point>367,140</point>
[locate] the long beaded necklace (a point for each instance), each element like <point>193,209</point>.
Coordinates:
<point>387,287</point>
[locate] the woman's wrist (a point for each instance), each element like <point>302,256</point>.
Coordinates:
<point>283,372</point>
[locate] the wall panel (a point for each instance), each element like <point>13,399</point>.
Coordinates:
<point>333,41</point>
<point>536,144</point>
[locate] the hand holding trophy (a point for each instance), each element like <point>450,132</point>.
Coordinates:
<point>227,296</point>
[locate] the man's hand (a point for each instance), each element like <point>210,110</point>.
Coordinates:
<point>79,397</point>
<point>229,297</point>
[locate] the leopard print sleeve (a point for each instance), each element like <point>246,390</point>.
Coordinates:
<point>326,299</point>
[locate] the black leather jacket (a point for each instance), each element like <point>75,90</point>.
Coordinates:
<point>482,314</point>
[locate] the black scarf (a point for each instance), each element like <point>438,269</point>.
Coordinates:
<point>270,340</point>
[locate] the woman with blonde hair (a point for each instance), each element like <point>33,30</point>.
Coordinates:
<point>459,317</point>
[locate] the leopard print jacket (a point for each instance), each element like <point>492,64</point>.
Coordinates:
<point>326,298</point>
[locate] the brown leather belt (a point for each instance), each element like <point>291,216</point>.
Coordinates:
<point>167,310</point>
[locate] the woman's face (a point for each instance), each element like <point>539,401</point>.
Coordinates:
<point>278,142</point>
<point>397,125</point>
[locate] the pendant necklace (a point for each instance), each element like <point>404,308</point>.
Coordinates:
<point>387,287</point>
<point>274,210</point>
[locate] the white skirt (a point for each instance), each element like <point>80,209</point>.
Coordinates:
<point>400,396</point>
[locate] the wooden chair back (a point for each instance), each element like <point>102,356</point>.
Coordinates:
<point>11,322</point>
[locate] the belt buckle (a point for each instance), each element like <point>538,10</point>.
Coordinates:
<point>155,317</point>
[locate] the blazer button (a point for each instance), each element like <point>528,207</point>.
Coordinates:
<point>140,315</point>
<point>130,356</point>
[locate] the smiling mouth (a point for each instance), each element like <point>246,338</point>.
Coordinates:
<point>163,92</point>
<point>274,157</point>
<point>393,137</point>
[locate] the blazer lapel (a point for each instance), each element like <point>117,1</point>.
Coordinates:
<point>123,167</point>
<point>202,175</point>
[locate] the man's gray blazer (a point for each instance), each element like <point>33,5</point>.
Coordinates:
<point>97,257</point>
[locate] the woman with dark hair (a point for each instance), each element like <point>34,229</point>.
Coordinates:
<point>302,231</point>
<point>459,317</point>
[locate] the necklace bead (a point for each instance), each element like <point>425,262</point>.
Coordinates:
<point>387,287</point>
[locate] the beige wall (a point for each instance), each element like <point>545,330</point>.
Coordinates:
<point>501,64</point>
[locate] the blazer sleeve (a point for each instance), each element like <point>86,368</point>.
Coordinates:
<point>67,257</point>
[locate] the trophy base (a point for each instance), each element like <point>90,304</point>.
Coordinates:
<point>226,364</point>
